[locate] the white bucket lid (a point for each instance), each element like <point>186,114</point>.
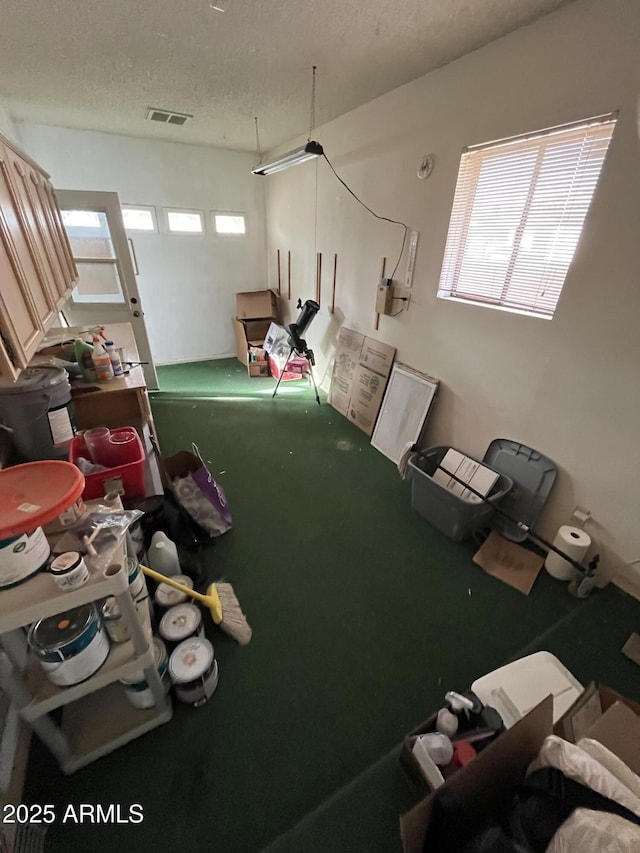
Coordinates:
<point>166,595</point>
<point>180,621</point>
<point>190,660</point>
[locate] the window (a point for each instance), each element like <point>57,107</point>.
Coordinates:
<point>81,219</point>
<point>185,221</point>
<point>518,213</point>
<point>230,223</point>
<point>139,218</point>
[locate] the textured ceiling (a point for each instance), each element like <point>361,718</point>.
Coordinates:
<point>99,64</point>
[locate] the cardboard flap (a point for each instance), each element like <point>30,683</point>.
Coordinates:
<point>488,781</point>
<point>618,729</point>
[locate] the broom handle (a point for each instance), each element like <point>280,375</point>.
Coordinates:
<point>527,530</point>
<point>170,582</point>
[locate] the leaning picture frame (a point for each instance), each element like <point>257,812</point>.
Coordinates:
<point>404,411</point>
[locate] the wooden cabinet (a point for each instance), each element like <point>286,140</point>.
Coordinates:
<point>37,272</point>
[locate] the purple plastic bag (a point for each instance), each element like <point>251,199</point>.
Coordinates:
<point>197,491</point>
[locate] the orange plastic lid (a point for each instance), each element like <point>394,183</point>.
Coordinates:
<point>35,493</point>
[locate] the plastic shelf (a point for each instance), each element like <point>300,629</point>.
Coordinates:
<point>103,721</point>
<point>121,662</point>
<point>40,596</point>
<point>97,717</point>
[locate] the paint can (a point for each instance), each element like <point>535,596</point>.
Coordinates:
<point>114,622</point>
<point>166,596</point>
<point>137,690</point>
<point>69,570</point>
<point>70,646</point>
<point>193,669</point>
<point>22,556</point>
<point>181,623</point>
<point>137,581</point>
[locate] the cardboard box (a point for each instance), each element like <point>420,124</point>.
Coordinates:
<point>485,785</point>
<point>361,371</point>
<point>297,367</point>
<point>592,714</point>
<point>248,333</point>
<point>258,368</point>
<point>257,364</point>
<point>256,305</point>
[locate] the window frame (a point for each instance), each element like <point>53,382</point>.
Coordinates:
<point>146,207</point>
<point>459,246</point>
<point>201,214</point>
<point>232,234</point>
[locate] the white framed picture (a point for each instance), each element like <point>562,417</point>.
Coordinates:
<point>404,410</point>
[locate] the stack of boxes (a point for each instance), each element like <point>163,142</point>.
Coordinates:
<point>255,311</point>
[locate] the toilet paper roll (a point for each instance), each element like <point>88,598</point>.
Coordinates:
<point>575,543</point>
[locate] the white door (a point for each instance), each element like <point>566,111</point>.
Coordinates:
<point>107,291</point>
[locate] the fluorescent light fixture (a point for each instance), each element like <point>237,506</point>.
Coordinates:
<point>300,155</point>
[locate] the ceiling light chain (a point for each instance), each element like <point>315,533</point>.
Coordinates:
<point>312,122</point>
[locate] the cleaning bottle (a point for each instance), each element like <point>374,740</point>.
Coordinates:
<point>116,364</point>
<point>162,555</point>
<point>83,353</point>
<point>101,361</point>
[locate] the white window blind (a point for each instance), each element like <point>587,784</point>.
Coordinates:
<point>518,212</point>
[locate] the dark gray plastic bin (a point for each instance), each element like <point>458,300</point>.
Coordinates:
<point>456,518</point>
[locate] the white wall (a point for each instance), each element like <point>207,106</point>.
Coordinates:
<point>569,387</point>
<point>187,282</point>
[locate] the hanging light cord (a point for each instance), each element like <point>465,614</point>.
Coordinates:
<point>312,112</point>
<point>385,218</point>
<point>259,150</point>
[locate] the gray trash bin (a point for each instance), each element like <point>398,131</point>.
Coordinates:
<point>456,518</point>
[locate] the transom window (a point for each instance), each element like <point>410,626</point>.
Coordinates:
<point>139,218</point>
<point>185,221</point>
<point>518,213</point>
<point>230,223</point>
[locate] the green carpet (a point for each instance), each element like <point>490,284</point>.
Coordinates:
<point>363,617</point>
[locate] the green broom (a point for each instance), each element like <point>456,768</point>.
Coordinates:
<point>221,602</point>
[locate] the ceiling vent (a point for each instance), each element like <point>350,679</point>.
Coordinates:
<point>167,117</point>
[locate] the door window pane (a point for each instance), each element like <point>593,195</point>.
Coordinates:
<point>97,283</point>
<point>88,233</point>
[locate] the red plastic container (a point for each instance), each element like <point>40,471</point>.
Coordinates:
<point>129,475</point>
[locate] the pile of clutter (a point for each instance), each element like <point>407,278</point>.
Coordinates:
<point>453,737</point>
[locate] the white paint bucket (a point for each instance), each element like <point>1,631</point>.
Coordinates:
<point>22,556</point>
<point>166,596</point>
<point>194,671</point>
<point>137,689</point>
<point>181,623</point>
<point>69,570</point>
<point>70,646</point>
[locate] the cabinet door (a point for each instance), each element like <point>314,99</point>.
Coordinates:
<point>23,233</point>
<point>53,267</point>
<point>30,240</point>
<point>58,234</point>
<point>22,305</point>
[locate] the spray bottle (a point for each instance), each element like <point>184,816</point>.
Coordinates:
<point>83,353</point>
<point>101,361</point>
<point>583,586</point>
